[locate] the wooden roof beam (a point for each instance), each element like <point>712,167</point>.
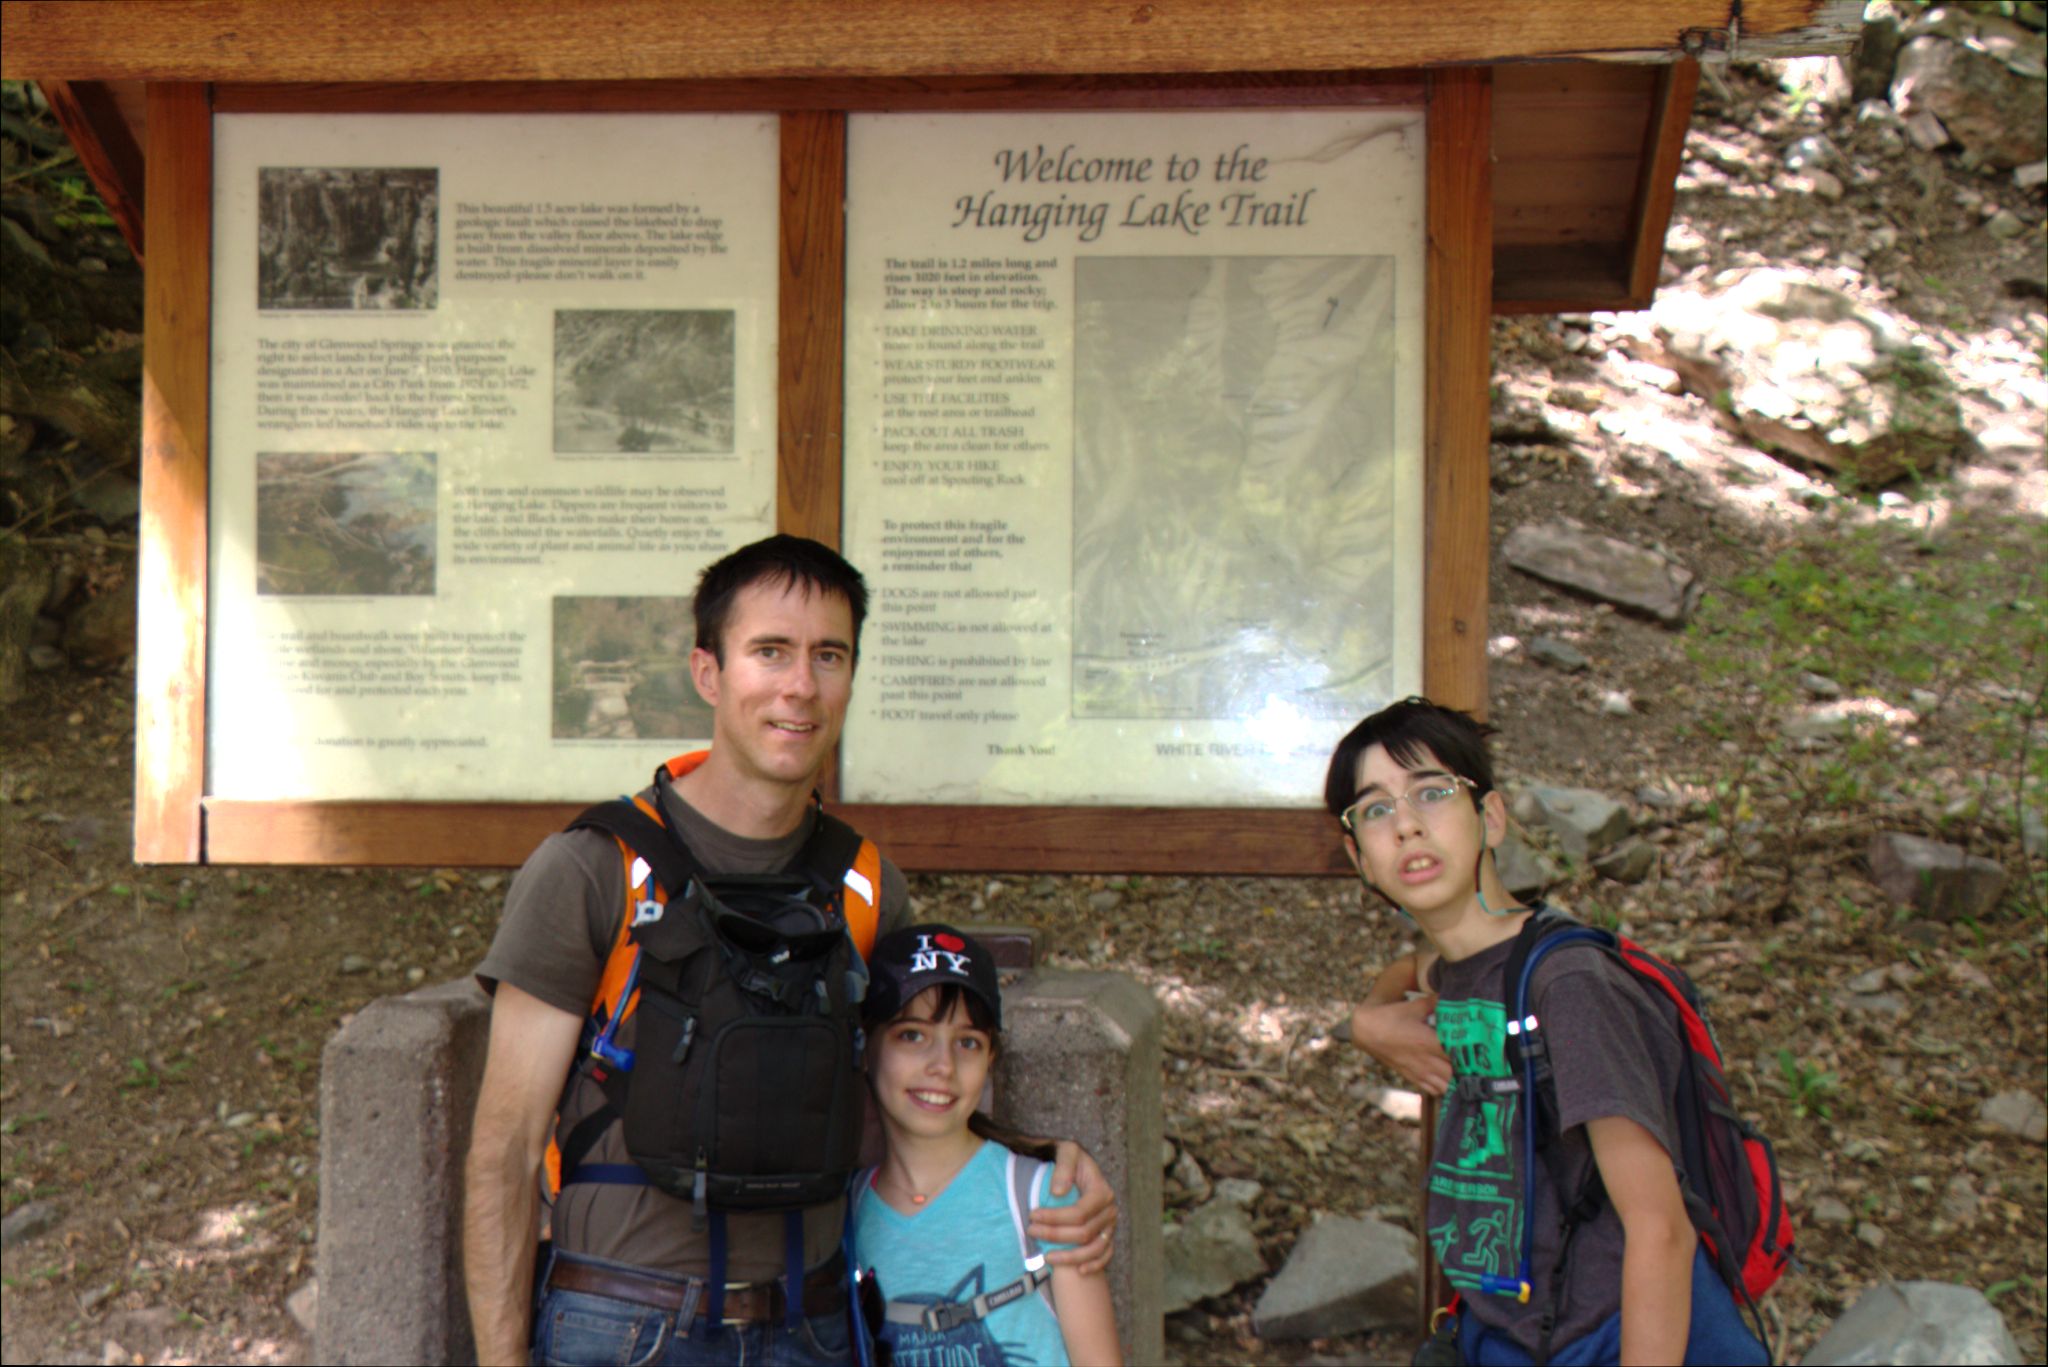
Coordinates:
<point>525,40</point>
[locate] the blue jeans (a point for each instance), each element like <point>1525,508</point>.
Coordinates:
<point>1718,1333</point>
<point>575,1328</point>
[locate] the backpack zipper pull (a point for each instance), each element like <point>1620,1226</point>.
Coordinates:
<point>683,1045</point>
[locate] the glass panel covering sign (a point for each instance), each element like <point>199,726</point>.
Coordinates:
<point>488,392</point>
<point>1133,450</point>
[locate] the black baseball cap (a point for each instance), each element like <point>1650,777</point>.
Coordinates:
<point>906,962</point>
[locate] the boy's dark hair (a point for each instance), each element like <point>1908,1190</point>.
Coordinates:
<point>1407,728</point>
<point>784,560</point>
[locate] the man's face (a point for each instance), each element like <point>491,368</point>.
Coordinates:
<point>779,699</point>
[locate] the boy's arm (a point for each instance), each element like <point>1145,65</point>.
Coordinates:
<point>1657,1240</point>
<point>1396,1031</point>
<point>1086,1224</point>
<point>1087,1319</point>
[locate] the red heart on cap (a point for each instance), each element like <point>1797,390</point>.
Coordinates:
<point>949,942</point>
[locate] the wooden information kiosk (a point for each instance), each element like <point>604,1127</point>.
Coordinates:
<point>1138,353</point>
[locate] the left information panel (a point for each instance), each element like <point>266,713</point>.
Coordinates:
<point>488,392</point>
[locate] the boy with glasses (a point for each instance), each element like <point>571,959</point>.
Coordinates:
<point>1412,787</point>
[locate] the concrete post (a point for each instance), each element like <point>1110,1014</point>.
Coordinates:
<point>398,1086</point>
<point>1082,1057</point>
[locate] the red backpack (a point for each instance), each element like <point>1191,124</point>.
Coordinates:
<point>1727,1170</point>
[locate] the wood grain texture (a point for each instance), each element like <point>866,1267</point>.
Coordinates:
<point>512,40</point>
<point>1234,89</point>
<point>107,148</point>
<point>1657,189</point>
<point>1565,277</point>
<point>919,838</point>
<point>810,399</point>
<point>170,650</point>
<point>1457,413</point>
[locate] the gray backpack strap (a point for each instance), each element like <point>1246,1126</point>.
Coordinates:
<point>1023,1176</point>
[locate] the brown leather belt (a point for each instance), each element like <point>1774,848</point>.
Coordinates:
<point>750,1303</point>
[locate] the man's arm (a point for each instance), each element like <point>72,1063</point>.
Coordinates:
<point>1086,1224</point>
<point>1657,1240</point>
<point>531,1047</point>
<point>1397,1031</point>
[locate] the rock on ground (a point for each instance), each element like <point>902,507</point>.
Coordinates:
<point>1586,822</point>
<point>1523,871</point>
<point>304,1304</point>
<point>1810,374</point>
<point>1566,554</point>
<point>1630,862</point>
<point>2018,1113</point>
<point>1937,880</point>
<point>1916,1323</point>
<point>28,1220</point>
<point>1210,1252</point>
<point>1343,1276</point>
<point>1985,106</point>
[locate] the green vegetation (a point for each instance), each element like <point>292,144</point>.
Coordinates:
<point>1808,1086</point>
<point>1939,643</point>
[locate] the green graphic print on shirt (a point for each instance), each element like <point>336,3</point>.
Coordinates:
<point>1473,1169</point>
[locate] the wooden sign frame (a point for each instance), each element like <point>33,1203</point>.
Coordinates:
<point>178,821</point>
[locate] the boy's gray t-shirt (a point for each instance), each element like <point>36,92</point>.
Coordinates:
<point>1615,1051</point>
<point>561,916</point>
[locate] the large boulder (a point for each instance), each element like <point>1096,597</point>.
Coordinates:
<point>1916,1323</point>
<point>1629,576</point>
<point>1344,1276</point>
<point>1212,1250</point>
<point>1809,374</point>
<point>1984,88</point>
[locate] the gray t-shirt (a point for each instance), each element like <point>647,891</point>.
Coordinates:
<point>1615,1051</point>
<point>561,916</point>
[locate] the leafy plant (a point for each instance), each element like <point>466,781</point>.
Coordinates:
<point>1810,1087</point>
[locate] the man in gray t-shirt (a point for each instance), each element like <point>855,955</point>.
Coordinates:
<point>778,625</point>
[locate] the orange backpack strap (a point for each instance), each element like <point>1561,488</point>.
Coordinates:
<point>862,901</point>
<point>683,764</point>
<point>640,886</point>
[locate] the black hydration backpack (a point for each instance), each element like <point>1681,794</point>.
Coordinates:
<point>744,1089</point>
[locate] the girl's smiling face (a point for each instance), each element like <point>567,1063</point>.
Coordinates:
<point>928,1074</point>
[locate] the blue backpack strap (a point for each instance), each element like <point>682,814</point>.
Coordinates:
<point>793,1268</point>
<point>1528,1050</point>
<point>714,1309</point>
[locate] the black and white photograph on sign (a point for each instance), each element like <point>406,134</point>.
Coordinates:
<point>347,237</point>
<point>345,524</point>
<point>630,381</point>
<point>622,670</point>
<point>1233,486</point>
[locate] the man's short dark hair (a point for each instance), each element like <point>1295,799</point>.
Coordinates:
<point>1408,728</point>
<point>783,560</point>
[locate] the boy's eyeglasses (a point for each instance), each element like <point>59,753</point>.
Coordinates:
<point>1427,799</point>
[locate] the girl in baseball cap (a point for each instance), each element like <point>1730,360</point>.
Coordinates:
<point>941,1220</point>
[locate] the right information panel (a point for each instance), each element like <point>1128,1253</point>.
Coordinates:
<point>1133,450</point>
